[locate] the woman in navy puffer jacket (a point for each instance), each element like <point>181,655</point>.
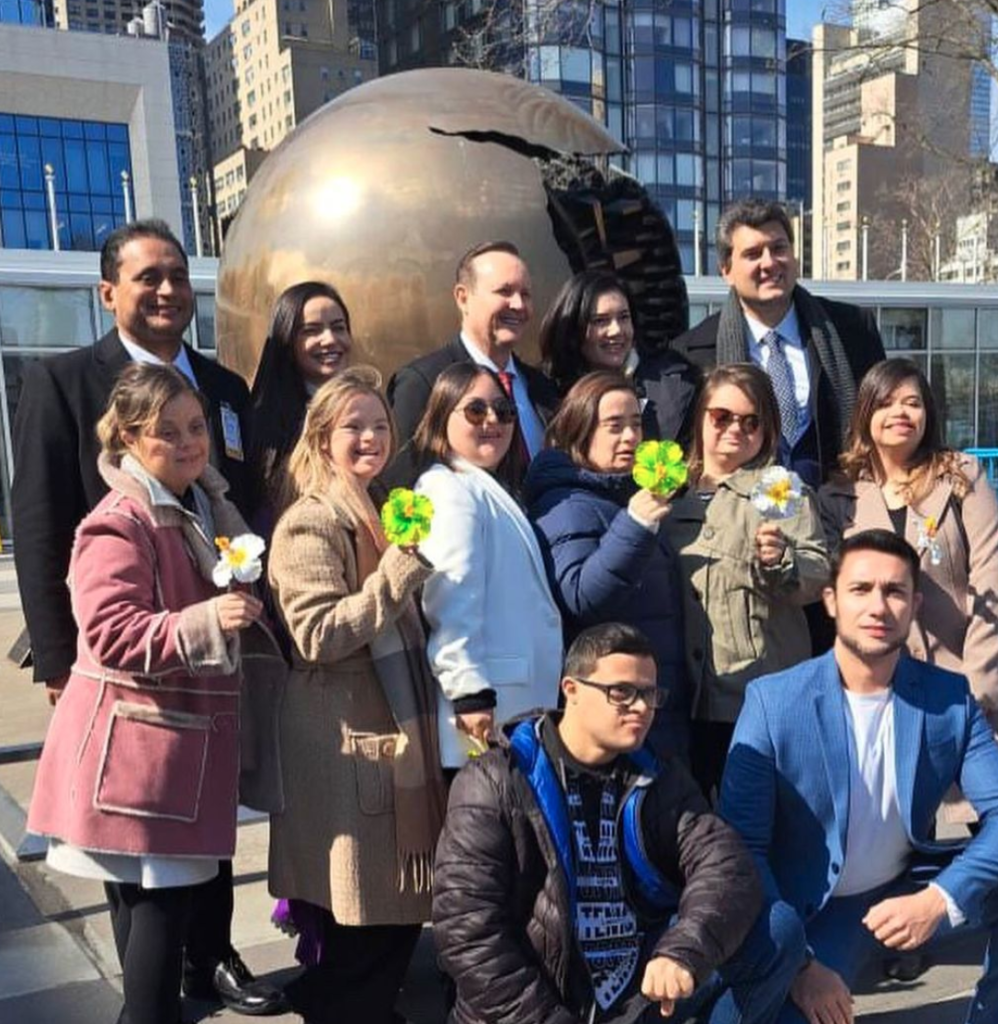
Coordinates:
<point>606,558</point>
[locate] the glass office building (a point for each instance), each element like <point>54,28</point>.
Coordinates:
<point>86,157</point>
<point>696,89</point>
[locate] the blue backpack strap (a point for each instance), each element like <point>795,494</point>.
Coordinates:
<point>533,761</point>
<point>653,887</point>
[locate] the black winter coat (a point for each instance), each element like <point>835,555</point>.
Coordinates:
<point>501,916</point>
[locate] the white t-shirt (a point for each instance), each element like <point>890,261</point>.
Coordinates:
<point>877,845</point>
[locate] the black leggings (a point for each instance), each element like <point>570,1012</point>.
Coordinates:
<point>150,926</point>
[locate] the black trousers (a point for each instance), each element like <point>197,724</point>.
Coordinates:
<point>150,927</point>
<point>209,937</point>
<point>360,976</point>
<point>709,742</point>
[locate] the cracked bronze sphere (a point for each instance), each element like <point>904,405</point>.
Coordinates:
<point>380,193</point>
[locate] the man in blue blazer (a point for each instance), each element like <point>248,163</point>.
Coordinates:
<point>835,774</point>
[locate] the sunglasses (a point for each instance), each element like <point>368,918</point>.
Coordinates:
<point>723,418</point>
<point>476,411</point>
<point>626,695</point>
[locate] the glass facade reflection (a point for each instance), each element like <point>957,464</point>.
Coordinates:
<point>87,158</point>
<point>696,90</point>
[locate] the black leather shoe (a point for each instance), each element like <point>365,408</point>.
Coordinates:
<point>234,984</point>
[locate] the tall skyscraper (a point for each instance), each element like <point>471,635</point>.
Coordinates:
<point>898,120</point>
<point>696,89</point>
<point>273,64</point>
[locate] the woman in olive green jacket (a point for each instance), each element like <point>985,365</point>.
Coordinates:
<point>746,578</point>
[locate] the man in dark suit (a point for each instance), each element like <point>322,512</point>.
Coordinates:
<point>836,771</point>
<point>493,296</point>
<point>814,350</point>
<point>146,286</point>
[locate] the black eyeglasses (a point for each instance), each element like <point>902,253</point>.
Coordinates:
<point>723,418</point>
<point>626,695</point>
<point>476,410</point>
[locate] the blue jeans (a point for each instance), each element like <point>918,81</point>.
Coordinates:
<point>842,942</point>
<point>752,986</point>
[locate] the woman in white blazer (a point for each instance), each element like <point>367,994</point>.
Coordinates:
<point>495,643</point>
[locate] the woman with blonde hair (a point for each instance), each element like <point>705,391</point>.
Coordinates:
<point>364,794</point>
<point>897,474</point>
<point>137,782</point>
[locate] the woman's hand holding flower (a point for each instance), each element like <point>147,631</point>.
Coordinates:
<point>648,507</point>
<point>770,544</point>
<point>236,610</point>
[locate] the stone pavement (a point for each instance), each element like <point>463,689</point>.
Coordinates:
<point>57,959</point>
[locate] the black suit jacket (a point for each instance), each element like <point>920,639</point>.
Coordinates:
<point>409,391</point>
<point>56,482</point>
<point>858,330</point>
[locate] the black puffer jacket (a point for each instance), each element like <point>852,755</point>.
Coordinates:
<point>501,917</point>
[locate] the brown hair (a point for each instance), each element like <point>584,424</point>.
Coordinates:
<point>137,400</point>
<point>572,428</point>
<point>310,469</point>
<point>430,440</point>
<point>756,386</point>
<point>465,273</point>
<point>930,460</point>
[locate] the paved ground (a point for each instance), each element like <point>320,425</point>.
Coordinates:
<point>57,960</point>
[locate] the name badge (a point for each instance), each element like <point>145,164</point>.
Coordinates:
<point>231,433</point>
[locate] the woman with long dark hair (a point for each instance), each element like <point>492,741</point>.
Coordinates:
<point>591,326</point>
<point>309,342</point>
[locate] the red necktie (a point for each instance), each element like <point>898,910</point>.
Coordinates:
<point>506,379</point>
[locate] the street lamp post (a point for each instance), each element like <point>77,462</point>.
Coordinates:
<point>126,191</point>
<point>697,268</point>
<point>195,204</point>
<point>50,196</point>
<point>904,248</point>
<point>866,244</point>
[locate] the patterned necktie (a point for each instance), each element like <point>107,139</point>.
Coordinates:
<point>506,379</point>
<point>783,385</point>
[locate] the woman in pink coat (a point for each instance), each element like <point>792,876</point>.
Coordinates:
<point>138,778</point>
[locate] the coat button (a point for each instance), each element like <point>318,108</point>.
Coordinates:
<point>836,868</point>
<point>707,533</point>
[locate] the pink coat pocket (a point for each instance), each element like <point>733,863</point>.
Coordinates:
<point>153,762</point>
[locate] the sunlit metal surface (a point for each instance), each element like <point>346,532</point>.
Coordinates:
<point>382,190</point>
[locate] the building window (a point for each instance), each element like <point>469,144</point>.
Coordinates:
<point>87,158</point>
<point>843,186</point>
<point>843,225</point>
<point>843,265</point>
<point>843,165</point>
<point>842,207</point>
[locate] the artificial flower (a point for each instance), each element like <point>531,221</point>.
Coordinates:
<point>239,559</point>
<point>778,494</point>
<point>926,539</point>
<point>659,467</point>
<point>406,517</point>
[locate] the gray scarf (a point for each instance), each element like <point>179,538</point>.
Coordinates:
<point>818,334</point>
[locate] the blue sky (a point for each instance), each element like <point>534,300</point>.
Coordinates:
<point>801,15</point>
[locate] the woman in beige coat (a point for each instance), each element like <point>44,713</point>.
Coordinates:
<point>897,475</point>
<point>364,794</point>
<point>746,579</point>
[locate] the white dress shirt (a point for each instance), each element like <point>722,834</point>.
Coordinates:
<point>138,354</point>
<point>796,352</point>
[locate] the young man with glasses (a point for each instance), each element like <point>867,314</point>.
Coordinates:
<point>579,879</point>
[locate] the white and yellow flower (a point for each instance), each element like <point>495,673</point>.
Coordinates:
<point>778,493</point>
<point>239,559</point>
